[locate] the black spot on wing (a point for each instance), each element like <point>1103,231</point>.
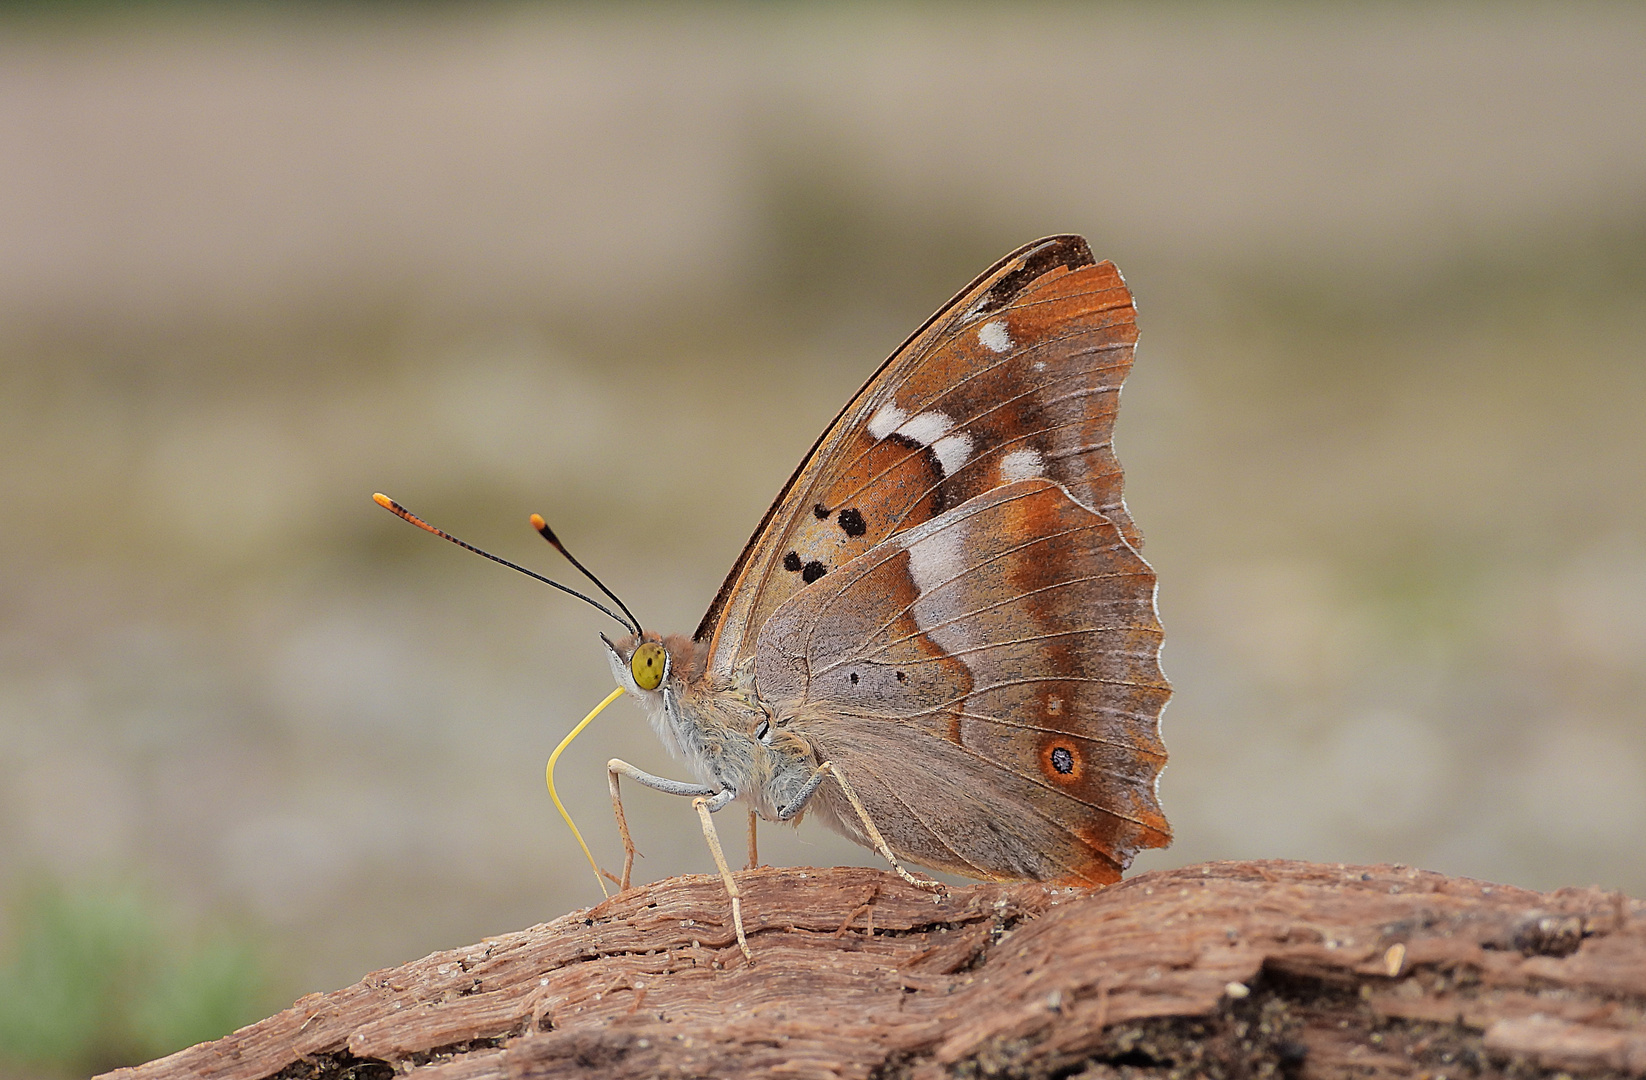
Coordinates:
<point>852,523</point>
<point>812,571</point>
<point>1062,760</point>
<point>819,511</point>
<point>791,562</point>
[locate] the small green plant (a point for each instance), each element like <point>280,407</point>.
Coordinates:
<point>96,978</point>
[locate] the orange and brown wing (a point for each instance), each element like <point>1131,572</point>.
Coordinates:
<point>1018,376</point>
<point>990,682</point>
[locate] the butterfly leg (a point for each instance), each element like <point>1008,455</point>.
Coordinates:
<point>815,781</point>
<point>618,767</point>
<point>754,849</point>
<point>705,800</point>
<point>704,807</point>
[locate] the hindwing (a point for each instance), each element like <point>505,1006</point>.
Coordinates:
<point>990,681</point>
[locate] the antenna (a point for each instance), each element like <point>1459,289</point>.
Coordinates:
<point>631,624</point>
<point>548,534</point>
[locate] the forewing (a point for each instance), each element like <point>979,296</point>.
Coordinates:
<point>989,681</point>
<point>1018,376</point>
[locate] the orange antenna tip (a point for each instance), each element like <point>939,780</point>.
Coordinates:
<point>538,523</point>
<point>401,512</point>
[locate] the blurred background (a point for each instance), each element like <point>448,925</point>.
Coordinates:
<point>1386,433</point>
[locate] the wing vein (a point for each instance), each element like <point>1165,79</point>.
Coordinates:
<point>893,552</point>
<point>960,425</point>
<point>986,608</point>
<point>892,790</point>
<point>1128,747</point>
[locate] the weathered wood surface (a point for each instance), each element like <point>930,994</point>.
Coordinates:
<point>1266,968</point>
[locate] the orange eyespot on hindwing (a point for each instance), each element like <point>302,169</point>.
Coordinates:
<point>648,665</point>
<point>1060,763</point>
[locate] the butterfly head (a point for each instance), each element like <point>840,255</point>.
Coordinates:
<point>646,664</point>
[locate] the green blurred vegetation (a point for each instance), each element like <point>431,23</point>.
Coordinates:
<point>98,977</point>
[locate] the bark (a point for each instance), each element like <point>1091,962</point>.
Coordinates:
<point>1225,969</point>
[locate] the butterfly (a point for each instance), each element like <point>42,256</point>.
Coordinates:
<point>941,639</point>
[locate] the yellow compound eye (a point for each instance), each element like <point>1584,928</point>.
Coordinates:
<point>648,664</point>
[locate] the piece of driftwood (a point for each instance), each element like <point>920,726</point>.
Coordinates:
<point>1225,969</point>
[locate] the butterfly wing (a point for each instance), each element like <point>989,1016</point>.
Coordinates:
<point>1017,376</point>
<point>947,598</point>
<point>989,681</point>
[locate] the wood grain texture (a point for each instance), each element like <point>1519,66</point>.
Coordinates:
<point>1266,968</point>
